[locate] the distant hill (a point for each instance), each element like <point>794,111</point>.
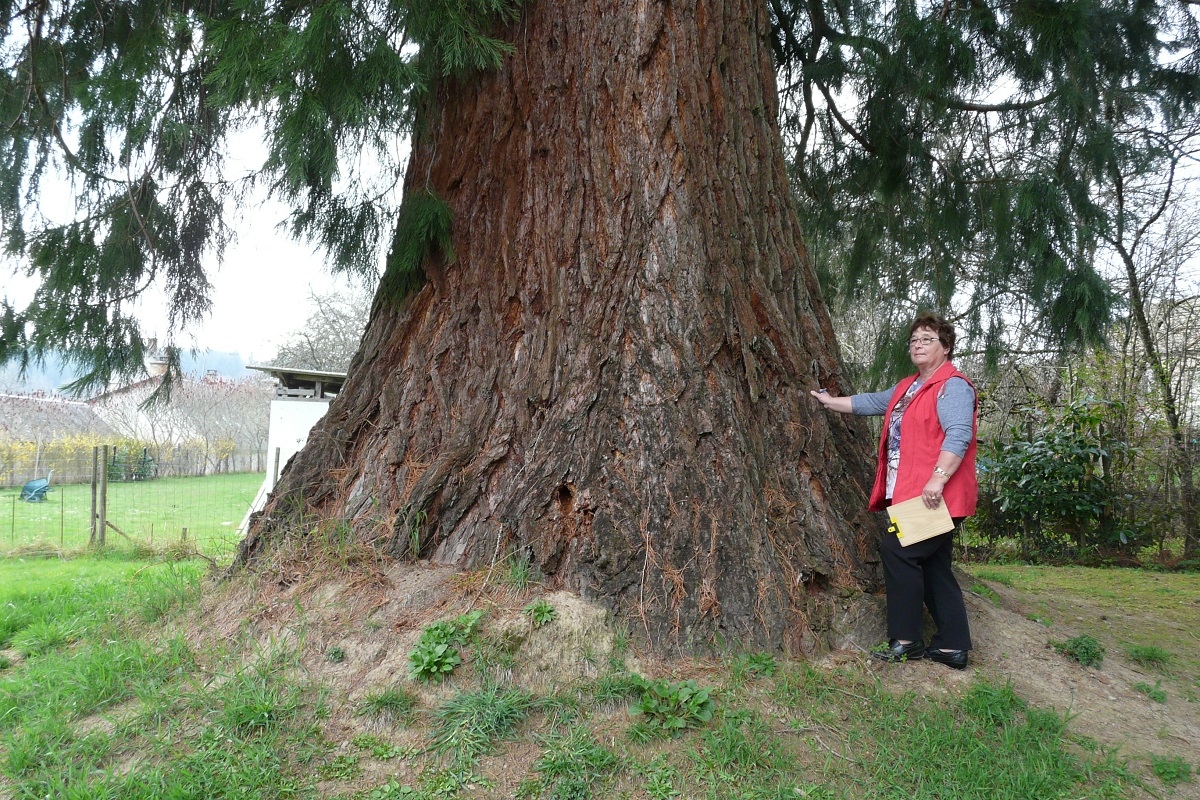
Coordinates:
<point>54,374</point>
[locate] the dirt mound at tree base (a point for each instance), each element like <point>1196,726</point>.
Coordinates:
<point>372,622</point>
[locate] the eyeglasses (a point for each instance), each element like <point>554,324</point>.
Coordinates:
<point>922,340</point>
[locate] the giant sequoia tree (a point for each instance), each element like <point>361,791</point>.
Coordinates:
<point>598,320</point>
<point>606,363</point>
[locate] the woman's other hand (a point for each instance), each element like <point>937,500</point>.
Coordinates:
<point>932,493</point>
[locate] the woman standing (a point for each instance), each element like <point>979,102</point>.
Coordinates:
<point>927,450</point>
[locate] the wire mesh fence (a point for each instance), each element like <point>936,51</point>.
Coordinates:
<point>131,494</point>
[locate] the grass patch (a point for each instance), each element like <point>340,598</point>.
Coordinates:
<point>572,766</point>
<point>123,711</point>
<point>1149,656</point>
<point>995,576</point>
<point>470,724</point>
<point>389,705</point>
<point>1140,608</point>
<point>1155,692</point>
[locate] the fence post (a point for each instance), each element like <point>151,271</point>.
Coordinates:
<point>95,479</point>
<point>103,520</point>
<point>62,513</point>
<point>12,530</point>
<point>275,474</point>
<point>183,536</point>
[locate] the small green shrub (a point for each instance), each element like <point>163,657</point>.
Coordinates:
<point>396,703</point>
<point>335,654</point>
<point>1155,692</point>
<point>668,709</point>
<point>1148,656</point>
<point>540,612</point>
<point>1171,769</point>
<point>5,663</point>
<point>1084,649</point>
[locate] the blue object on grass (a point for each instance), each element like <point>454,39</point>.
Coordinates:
<point>35,490</point>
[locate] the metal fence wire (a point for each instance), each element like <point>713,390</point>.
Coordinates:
<point>139,497</point>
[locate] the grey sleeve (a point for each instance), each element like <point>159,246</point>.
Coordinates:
<point>872,404</point>
<point>956,413</point>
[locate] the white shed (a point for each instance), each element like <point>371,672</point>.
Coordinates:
<point>302,397</point>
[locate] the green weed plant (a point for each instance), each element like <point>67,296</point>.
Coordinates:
<point>572,766</point>
<point>1171,770</point>
<point>667,709</point>
<point>1083,649</point>
<point>436,654</point>
<point>540,612</point>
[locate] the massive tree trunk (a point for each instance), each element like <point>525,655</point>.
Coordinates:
<point>611,375</point>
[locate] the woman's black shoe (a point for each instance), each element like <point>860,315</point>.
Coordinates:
<point>955,659</point>
<point>896,652</point>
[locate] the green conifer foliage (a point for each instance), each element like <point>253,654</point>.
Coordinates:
<point>134,103</point>
<point>957,155</point>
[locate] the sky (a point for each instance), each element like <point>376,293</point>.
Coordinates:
<point>261,286</point>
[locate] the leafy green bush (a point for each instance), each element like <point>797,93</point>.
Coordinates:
<point>431,661</point>
<point>1084,649</point>
<point>1048,486</point>
<point>335,654</point>
<point>540,612</point>
<point>668,709</point>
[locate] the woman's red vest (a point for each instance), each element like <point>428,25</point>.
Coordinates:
<point>921,437</point>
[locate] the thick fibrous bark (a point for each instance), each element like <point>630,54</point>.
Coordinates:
<point>612,374</point>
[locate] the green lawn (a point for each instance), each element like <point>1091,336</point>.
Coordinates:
<point>157,511</point>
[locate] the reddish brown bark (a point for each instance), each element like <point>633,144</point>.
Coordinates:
<point>612,374</point>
